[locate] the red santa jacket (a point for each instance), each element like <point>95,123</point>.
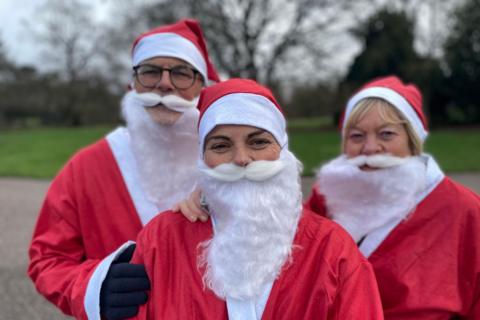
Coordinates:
<point>86,215</point>
<point>428,267</point>
<point>328,278</point>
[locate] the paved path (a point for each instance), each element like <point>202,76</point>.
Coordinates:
<point>20,200</point>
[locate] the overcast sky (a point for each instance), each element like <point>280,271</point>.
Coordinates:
<point>18,44</point>
<point>20,47</point>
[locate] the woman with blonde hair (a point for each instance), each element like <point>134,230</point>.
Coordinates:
<point>417,227</point>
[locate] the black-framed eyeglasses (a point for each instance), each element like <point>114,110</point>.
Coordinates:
<point>149,76</point>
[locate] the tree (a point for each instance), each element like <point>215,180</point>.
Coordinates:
<point>5,75</point>
<point>388,47</point>
<point>311,101</point>
<point>388,40</point>
<point>67,33</point>
<point>462,54</point>
<point>264,40</point>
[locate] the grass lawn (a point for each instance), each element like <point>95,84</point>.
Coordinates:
<point>455,150</point>
<point>40,153</point>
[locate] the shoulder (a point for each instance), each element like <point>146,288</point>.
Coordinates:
<point>316,201</point>
<point>91,157</point>
<point>324,234</point>
<point>324,241</point>
<point>171,226</point>
<point>465,193</point>
<point>100,147</point>
<point>166,220</point>
<point>91,163</point>
<point>314,226</point>
<point>450,193</point>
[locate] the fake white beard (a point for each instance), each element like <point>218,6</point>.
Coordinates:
<point>166,155</point>
<point>255,224</point>
<point>379,161</point>
<point>255,171</point>
<point>172,102</point>
<point>362,201</point>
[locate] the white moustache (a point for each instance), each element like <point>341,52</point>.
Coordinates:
<point>173,102</point>
<point>377,161</point>
<point>255,171</point>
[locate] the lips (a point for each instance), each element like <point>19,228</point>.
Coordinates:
<point>366,167</point>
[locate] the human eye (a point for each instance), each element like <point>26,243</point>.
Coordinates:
<point>259,143</point>
<point>149,71</point>
<point>355,135</point>
<point>219,147</point>
<point>387,134</point>
<point>182,71</point>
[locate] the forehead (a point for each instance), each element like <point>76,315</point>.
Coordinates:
<point>165,61</point>
<point>233,130</point>
<point>378,112</point>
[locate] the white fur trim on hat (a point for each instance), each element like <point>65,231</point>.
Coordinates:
<point>395,99</point>
<point>244,109</point>
<point>169,45</point>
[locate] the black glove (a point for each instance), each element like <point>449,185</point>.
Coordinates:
<point>123,289</point>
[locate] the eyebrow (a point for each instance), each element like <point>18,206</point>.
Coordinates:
<point>354,127</point>
<point>249,136</point>
<point>217,138</point>
<point>256,133</point>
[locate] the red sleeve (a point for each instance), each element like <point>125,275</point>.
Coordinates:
<point>139,257</point>
<point>316,202</point>
<point>358,297</point>
<point>354,292</point>
<point>57,255</point>
<point>475,312</point>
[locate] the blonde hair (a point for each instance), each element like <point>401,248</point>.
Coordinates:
<point>389,114</point>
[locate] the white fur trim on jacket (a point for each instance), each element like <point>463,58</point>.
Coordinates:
<point>92,294</point>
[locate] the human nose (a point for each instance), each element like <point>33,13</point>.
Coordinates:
<point>371,146</point>
<point>242,157</point>
<point>165,83</point>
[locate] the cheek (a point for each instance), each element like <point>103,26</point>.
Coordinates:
<point>351,150</point>
<point>271,154</point>
<point>400,146</point>
<point>213,159</point>
<point>401,149</point>
<point>192,92</point>
<point>139,88</point>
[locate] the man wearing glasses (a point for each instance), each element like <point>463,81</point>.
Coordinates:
<point>108,191</point>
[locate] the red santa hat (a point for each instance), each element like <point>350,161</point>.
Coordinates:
<point>405,97</point>
<point>240,102</point>
<point>182,40</point>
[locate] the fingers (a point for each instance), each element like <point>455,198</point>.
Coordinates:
<point>195,197</point>
<point>192,208</point>
<point>123,290</point>
<point>186,210</point>
<point>176,208</point>
<point>123,285</point>
<point>121,313</point>
<point>126,299</point>
<point>128,270</point>
<point>192,211</point>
